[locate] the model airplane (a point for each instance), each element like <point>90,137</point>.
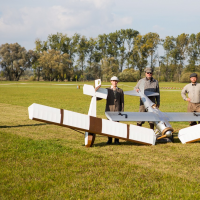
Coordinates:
<point>93,125</point>
<point>90,123</point>
<point>161,119</point>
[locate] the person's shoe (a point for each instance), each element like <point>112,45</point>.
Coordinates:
<point>109,140</point>
<point>151,126</point>
<point>193,123</point>
<point>139,124</point>
<point>117,141</point>
<point>171,138</point>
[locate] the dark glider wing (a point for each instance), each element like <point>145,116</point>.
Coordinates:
<point>147,93</point>
<point>132,116</point>
<point>182,116</point>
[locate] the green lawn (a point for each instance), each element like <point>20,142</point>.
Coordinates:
<point>42,161</point>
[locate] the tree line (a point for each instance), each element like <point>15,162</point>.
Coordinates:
<point>124,53</point>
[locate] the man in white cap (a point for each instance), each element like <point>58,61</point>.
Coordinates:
<point>115,101</point>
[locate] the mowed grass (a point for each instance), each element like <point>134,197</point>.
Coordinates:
<point>42,161</point>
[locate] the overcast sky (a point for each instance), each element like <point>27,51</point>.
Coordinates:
<point>23,21</point>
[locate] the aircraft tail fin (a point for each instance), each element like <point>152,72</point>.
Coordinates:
<point>97,91</point>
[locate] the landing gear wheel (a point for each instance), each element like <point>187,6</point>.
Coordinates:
<point>89,139</point>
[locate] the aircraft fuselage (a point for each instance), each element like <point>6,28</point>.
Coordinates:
<point>163,125</point>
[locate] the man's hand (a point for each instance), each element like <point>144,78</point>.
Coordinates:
<point>188,99</point>
<point>157,106</point>
<point>137,90</point>
<point>97,88</point>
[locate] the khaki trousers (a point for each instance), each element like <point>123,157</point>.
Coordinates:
<point>142,109</point>
<point>193,107</point>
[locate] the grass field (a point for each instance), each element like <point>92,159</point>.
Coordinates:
<point>42,161</point>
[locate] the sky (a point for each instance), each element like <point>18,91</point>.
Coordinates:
<point>24,21</point>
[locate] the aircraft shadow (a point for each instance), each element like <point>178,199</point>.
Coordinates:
<point>127,143</point>
<point>23,125</point>
<point>176,140</point>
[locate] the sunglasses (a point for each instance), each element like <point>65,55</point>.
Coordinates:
<point>149,73</point>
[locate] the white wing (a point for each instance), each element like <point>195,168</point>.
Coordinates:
<point>91,124</point>
<point>189,134</point>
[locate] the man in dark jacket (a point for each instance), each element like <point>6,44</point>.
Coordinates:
<point>115,101</point>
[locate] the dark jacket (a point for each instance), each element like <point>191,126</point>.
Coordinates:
<point>115,103</point>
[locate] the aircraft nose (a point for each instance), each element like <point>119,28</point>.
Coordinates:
<point>168,133</point>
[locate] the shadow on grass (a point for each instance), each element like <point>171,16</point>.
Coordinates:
<point>125,143</point>
<point>24,125</point>
<point>176,140</point>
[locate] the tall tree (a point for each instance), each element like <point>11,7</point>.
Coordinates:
<point>91,55</point>
<point>40,47</point>
<point>152,41</point>
<point>56,41</point>
<point>192,53</point>
<point>55,65</point>
<point>110,68</point>
<point>198,45</point>
<point>113,44</point>
<point>82,51</point>
<point>182,42</point>
<point>14,60</point>
<point>140,53</point>
<point>130,36</point>
<point>102,46</point>
<point>166,69</point>
<point>70,47</point>
<point>122,48</point>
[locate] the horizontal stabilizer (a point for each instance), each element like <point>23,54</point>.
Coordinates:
<point>102,93</point>
<point>189,134</point>
<point>135,93</point>
<point>89,90</point>
<point>91,124</point>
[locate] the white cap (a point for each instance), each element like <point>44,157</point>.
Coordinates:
<point>114,78</point>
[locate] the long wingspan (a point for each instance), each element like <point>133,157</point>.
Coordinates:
<point>91,124</point>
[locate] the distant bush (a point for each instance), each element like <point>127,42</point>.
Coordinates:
<point>185,77</point>
<point>32,78</point>
<point>129,75</point>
